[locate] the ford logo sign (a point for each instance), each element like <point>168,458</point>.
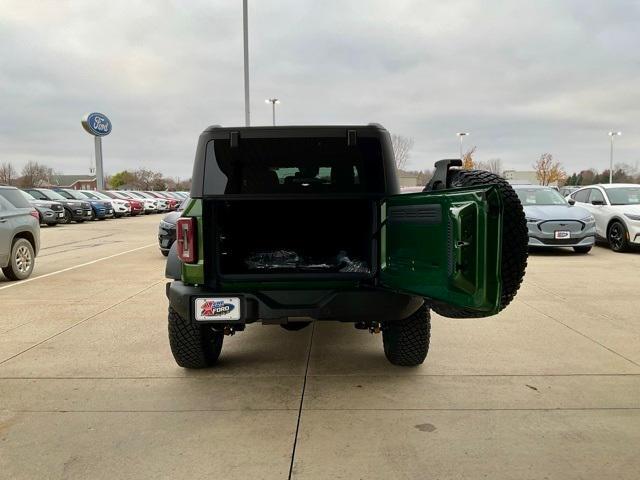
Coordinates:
<point>96,124</point>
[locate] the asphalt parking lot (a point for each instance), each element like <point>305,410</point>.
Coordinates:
<point>550,388</point>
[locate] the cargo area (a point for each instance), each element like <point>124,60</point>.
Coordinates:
<point>312,237</point>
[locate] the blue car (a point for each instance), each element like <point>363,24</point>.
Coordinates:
<point>101,209</point>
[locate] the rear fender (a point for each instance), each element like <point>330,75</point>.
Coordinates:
<point>173,269</point>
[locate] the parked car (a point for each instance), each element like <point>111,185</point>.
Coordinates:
<point>162,205</point>
<point>51,213</point>
<point>616,208</point>
<point>167,228</point>
<point>100,209</point>
<point>136,206</point>
<point>19,234</point>
<point>567,190</point>
<point>290,225</point>
<point>553,222</point>
<point>120,207</point>
<point>170,204</point>
<point>74,210</point>
<point>150,204</point>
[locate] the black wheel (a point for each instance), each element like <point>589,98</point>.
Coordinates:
<point>67,216</point>
<point>295,326</point>
<point>618,237</point>
<point>193,345</point>
<point>93,215</point>
<point>515,239</point>
<point>80,220</point>
<point>406,342</point>
<point>582,249</point>
<point>21,261</point>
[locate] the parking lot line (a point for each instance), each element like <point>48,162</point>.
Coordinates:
<point>16,284</point>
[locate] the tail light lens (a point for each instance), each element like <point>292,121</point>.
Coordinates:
<point>185,238</point>
<point>35,214</point>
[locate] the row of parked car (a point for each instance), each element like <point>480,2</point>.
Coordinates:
<point>64,205</point>
<point>22,211</point>
<point>606,212</point>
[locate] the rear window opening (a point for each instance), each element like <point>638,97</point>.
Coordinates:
<point>300,165</point>
<point>327,237</point>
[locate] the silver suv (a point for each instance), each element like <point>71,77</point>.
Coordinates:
<point>19,234</point>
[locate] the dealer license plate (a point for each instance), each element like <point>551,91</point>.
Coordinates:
<point>217,309</point>
<point>562,234</point>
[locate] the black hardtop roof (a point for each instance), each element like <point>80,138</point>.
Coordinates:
<point>298,130</point>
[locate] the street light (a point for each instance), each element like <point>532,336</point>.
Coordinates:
<point>245,41</point>
<point>461,135</point>
<point>273,102</point>
<point>611,135</point>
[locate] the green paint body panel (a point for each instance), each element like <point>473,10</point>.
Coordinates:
<point>444,245</point>
<point>193,273</point>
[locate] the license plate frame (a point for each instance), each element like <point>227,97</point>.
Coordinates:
<point>217,309</point>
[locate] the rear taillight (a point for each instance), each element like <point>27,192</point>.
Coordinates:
<point>185,238</point>
<point>35,214</point>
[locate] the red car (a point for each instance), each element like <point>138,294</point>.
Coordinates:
<point>137,207</point>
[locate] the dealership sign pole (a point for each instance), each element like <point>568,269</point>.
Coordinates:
<point>98,125</point>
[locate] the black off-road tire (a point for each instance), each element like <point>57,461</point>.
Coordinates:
<point>582,249</point>
<point>193,345</point>
<point>406,342</point>
<point>515,239</point>
<point>295,326</point>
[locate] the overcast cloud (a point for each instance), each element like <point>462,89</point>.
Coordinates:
<point>523,77</point>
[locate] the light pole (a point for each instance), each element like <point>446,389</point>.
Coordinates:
<point>461,135</point>
<point>273,102</point>
<point>611,135</point>
<point>245,31</point>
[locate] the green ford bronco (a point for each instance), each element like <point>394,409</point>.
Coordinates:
<point>291,225</point>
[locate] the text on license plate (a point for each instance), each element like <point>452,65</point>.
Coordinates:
<point>217,308</point>
<point>562,234</point>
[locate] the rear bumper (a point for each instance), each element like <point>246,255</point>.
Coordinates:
<point>290,306</point>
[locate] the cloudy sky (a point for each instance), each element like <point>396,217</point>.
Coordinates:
<point>522,77</point>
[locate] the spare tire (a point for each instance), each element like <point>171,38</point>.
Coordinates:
<point>515,239</point>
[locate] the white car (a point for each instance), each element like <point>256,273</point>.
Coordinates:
<point>162,205</point>
<point>150,206</point>
<point>616,208</point>
<point>120,207</point>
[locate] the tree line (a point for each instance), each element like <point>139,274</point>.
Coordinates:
<point>35,174</point>
<point>548,170</point>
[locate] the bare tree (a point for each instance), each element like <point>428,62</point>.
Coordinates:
<point>401,149</point>
<point>7,173</point>
<point>548,170</point>
<point>493,165</point>
<point>35,174</point>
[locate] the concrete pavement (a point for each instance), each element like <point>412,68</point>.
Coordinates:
<point>550,388</point>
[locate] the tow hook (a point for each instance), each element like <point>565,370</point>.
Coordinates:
<point>229,330</point>
<point>375,327</point>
